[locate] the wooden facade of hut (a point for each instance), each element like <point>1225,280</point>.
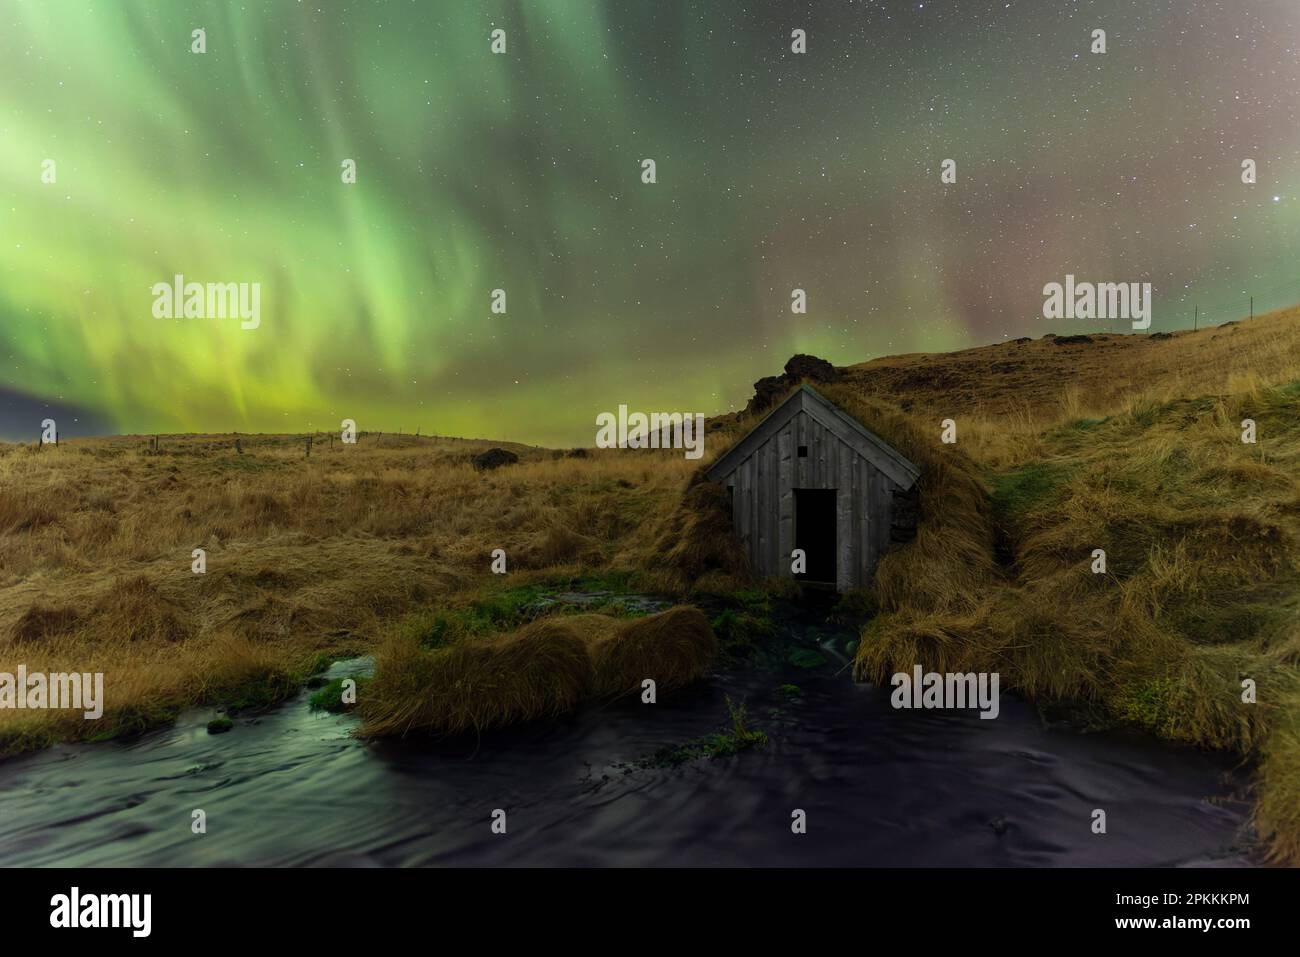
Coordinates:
<point>811,477</point>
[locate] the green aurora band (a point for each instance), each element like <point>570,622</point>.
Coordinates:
<point>523,172</point>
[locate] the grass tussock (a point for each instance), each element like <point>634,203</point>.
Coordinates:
<point>543,669</point>
<point>692,548</point>
<point>672,649</point>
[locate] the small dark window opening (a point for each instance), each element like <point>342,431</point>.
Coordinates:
<point>803,451</point>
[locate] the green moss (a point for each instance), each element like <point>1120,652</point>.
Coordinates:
<point>503,609</point>
<point>744,636</point>
<point>260,690</point>
<point>220,725</point>
<point>1016,494</point>
<point>616,582</point>
<point>1148,704</point>
<point>330,698</point>
<point>806,658</point>
<point>755,601</point>
<point>733,739</point>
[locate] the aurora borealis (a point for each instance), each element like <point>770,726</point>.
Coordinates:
<point>522,171</point>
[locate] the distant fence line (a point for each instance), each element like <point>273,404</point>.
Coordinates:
<point>1196,313</point>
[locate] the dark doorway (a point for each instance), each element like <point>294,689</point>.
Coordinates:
<point>814,532</point>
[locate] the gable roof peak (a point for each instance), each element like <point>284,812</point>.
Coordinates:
<point>830,416</point>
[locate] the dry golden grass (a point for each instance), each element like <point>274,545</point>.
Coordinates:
<point>146,684</point>
<point>305,556</point>
<point>544,669</point>
<point>672,649</point>
<point>1005,396</point>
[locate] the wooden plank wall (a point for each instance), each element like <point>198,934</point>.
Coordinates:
<point>763,500</point>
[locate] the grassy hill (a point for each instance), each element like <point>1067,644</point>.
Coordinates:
<point>1129,444</point>
<point>1132,445</point>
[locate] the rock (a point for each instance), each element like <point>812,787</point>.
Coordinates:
<point>1072,340</point>
<point>810,367</point>
<point>766,391</point>
<point>494,459</point>
<point>1161,335</point>
<point>220,725</point>
<point>770,388</point>
<point>578,453</point>
<point>1022,340</point>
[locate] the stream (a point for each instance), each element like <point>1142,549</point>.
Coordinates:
<point>879,787</point>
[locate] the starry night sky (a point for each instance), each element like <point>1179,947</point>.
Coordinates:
<point>523,172</point>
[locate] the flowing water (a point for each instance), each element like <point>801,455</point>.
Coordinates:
<point>879,786</point>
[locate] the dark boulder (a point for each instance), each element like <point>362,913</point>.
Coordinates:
<point>494,459</point>
<point>810,367</point>
<point>766,391</point>
<point>770,388</point>
<point>1073,340</point>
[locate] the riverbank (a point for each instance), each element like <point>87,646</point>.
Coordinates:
<point>624,784</point>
